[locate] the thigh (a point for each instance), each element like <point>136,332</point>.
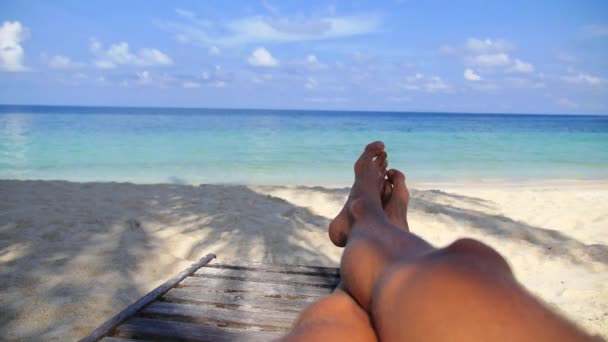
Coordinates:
<point>336,317</point>
<point>465,292</point>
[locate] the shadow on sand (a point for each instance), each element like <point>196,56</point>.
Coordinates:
<point>51,233</point>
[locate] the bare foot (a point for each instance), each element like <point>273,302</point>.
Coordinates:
<point>370,170</point>
<point>395,199</point>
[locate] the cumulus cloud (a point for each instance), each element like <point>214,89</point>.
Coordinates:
<point>12,34</point>
<point>261,79</point>
<point>400,99</point>
<point>493,54</point>
<point>312,59</point>
<point>566,103</point>
<point>214,51</point>
<point>190,84</point>
<point>470,75</point>
<point>184,13</point>
<point>521,66</point>
<point>275,29</point>
<point>487,46</point>
<point>143,78</point>
<point>120,54</point>
<point>597,30</point>
<point>490,60</point>
<point>61,62</point>
<point>429,84</point>
<point>214,77</point>
<point>262,58</point>
<point>582,78</point>
<point>334,100</point>
<point>566,57</point>
<point>311,83</point>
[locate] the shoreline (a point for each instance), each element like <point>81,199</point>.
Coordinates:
<point>75,254</point>
<point>482,183</point>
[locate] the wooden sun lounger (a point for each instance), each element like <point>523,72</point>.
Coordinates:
<point>221,302</point>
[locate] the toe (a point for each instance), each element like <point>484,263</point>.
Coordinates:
<point>373,149</point>
<point>381,160</point>
<point>387,191</point>
<point>396,177</point>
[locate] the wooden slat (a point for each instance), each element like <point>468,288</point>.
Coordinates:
<point>269,277</point>
<point>118,339</point>
<point>106,327</point>
<point>261,289</point>
<point>291,269</point>
<point>225,316</point>
<point>195,295</point>
<point>179,331</point>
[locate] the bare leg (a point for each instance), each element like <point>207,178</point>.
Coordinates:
<point>336,317</point>
<point>414,291</point>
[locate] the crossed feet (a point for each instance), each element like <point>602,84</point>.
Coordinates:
<point>376,191</point>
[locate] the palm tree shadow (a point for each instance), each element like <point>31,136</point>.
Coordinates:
<point>550,242</point>
<point>86,244</point>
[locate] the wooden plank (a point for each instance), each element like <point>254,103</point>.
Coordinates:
<point>224,316</point>
<point>269,277</point>
<point>179,331</point>
<point>291,269</point>
<point>118,339</point>
<point>106,327</point>
<point>196,296</point>
<point>260,289</point>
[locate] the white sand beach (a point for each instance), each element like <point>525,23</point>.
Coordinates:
<point>74,254</point>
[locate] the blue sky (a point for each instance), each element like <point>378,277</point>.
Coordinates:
<point>466,56</point>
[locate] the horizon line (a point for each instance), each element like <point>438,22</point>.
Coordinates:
<point>298,109</point>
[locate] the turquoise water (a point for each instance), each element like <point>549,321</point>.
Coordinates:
<point>151,145</point>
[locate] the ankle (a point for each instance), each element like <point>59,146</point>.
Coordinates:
<point>364,209</point>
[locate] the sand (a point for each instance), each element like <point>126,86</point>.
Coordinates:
<point>74,254</point>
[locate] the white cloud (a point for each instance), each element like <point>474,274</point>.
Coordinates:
<point>470,75</point>
<point>521,66</point>
<point>310,62</point>
<point>61,62</point>
<point>400,99</point>
<point>261,79</point>
<point>312,59</point>
<point>260,29</point>
<point>429,84</point>
<point>103,64</point>
<point>362,58</point>
<point>487,46</point>
<point>334,100</point>
<point>448,49</point>
<point>597,30</point>
<point>120,54</point>
<point>214,51</point>
<point>490,60</point>
<point>262,57</point>
<point>566,103</point>
<point>311,83</point>
<point>582,78</point>
<point>214,77</point>
<point>12,34</point>
<point>190,84</point>
<point>184,13</point>
<point>566,57</point>
<point>143,78</point>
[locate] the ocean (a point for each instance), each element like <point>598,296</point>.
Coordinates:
<point>192,146</point>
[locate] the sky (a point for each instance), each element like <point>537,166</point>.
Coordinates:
<point>446,56</point>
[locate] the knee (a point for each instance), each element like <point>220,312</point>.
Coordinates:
<point>466,262</point>
<point>334,318</point>
<point>476,254</point>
